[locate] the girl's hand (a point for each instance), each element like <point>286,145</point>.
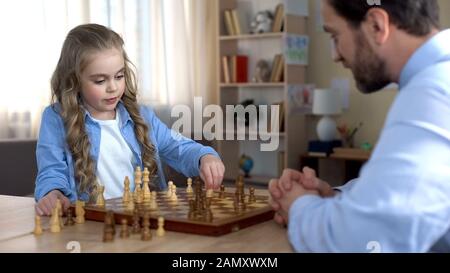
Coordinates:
<point>48,202</point>
<point>211,171</point>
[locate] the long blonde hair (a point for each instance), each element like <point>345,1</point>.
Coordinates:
<point>66,89</point>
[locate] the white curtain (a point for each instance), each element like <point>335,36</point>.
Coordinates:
<point>171,42</point>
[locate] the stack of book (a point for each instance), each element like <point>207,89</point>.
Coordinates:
<point>235,69</point>
<point>277,74</point>
<point>232,22</point>
<point>278,21</point>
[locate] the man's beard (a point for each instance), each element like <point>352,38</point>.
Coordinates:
<point>369,70</point>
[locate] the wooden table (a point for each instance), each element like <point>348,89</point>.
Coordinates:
<point>17,223</point>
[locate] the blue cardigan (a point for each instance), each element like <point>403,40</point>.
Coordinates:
<point>56,166</point>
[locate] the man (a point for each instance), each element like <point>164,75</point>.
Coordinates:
<point>401,200</point>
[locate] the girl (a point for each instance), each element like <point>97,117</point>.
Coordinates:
<point>95,131</point>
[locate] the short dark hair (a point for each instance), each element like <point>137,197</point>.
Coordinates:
<point>416,17</point>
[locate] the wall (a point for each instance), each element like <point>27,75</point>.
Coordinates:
<point>369,109</point>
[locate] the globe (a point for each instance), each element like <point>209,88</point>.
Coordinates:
<point>246,164</point>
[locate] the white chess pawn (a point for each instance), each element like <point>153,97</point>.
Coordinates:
<point>79,212</point>
<point>145,186</point>
<point>60,212</point>
<point>174,197</point>
<point>126,191</point>
<point>100,197</point>
<point>209,193</point>
<point>160,231</point>
<point>169,188</point>
<point>189,186</point>
<point>37,225</point>
<point>55,226</point>
<point>153,203</point>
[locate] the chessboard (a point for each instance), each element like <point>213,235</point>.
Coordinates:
<point>226,216</point>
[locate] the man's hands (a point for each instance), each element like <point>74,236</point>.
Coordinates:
<point>48,202</point>
<point>211,171</point>
<point>292,185</point>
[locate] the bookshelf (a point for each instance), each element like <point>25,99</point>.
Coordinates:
<point>260,46</point>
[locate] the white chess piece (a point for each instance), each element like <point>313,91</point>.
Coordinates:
<point>174,197</point>
<point>160,231</point>
<point>153,203</point>
<point>189,186</point>
<point>169,188</point>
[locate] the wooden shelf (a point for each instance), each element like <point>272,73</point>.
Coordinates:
<point>269,35</point>
<point>252,85</point>
<point>268,47</point>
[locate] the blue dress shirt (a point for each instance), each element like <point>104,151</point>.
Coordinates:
<point>401,200</point>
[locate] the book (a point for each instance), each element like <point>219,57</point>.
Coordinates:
<point>275,63</point>
<point>236,22</point>
<point>233,68</point>
<point>280,115</point>
<point>326,147</point>
<point>280,70</point>
<point>278,19</point>
<point>239,68</point>
<point>229,26</point>
<point>226,70</point>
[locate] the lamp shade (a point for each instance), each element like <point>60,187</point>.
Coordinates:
<point>326,102</point>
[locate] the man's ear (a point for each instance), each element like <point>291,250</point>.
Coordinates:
<point>377,25</point>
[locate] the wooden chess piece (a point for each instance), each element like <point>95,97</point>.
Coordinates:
<point>208,211</point>
<point>37,225</point>
<point>113,222</point>
<point>69,220</point>
<point>124,232</point>
<point>129,205</point>
<point>127,197</point>
<point>108,229</point>
<point>100,198</point>
<point>146,234</point>
<point>189,186</point>
<point>160,231</point>
<point>136,227</point>
<point>153,202</point>
<point>79,212</point>
<point>222,191</point>
<point>60,212</point>
<point>251,197</point>
<point>55,226</point>
<point>174,196</point>
<point>169,189</point>
<point>146,187</point>
<point>191,213</point>
<point>209,193</point>
<point>137,185</point>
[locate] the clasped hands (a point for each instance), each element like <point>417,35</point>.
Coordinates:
<point>291,185</point>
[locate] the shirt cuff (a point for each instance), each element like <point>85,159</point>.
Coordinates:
<point>206,151</point>
<point>297,213</point>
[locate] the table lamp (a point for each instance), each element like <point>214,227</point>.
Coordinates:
<point>327,102</point>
